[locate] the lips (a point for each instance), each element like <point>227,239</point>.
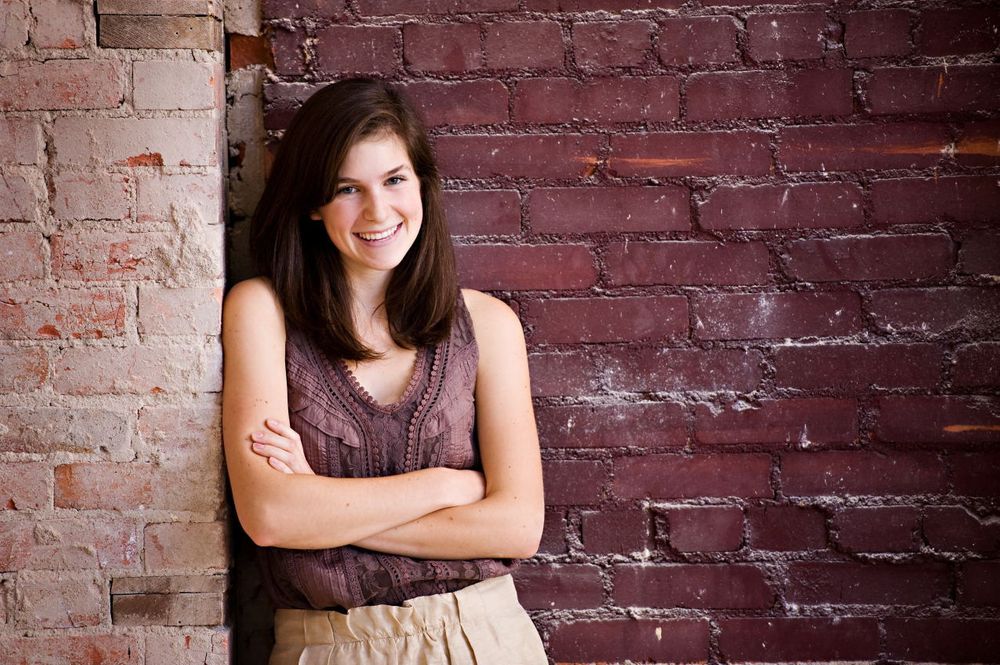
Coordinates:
<point>375,236</point>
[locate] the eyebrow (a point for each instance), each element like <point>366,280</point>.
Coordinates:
<point>384,175</point>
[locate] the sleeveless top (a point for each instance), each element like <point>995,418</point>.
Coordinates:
<point>347,434</point>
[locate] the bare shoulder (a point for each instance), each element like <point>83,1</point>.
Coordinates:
<point>253,299</point>
<point>493,320</point>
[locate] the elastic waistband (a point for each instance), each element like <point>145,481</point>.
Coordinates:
<point>478,601</point>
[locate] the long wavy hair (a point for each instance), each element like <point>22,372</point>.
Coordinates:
<point>295,252</point>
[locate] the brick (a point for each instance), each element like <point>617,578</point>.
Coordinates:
<point>19,199</point>
<point>162,197</point>
<point>690,154</point>
<point>525,267</point>
<point>157,32</point>
<point>787,36</point>
<point>21,141</point>
<point>783,639</point>
<point>63,84</point>
<point>609,209</point>
<point>526,156</point>
<point>684,369</point>
<point>186,435</point>
<point>22,369</point>
<point>22,256</point>
<point>247,51</point>
<point>822,583</point>
<point>121,586</point>
<point>169,84</point>
<point>942,640</point>
<point>136,486</point>
<point>955,529</point>
<point>67,649</point>
<point>961,199</point>
<point>96,256</point>
<point>615,531</point>
<point>802,422</point>
<point>786,528</point>
<point>648,425</point>
<point>137,141</point>
<point>861,473</point>
<point>705,528</point>
<point>857,258</point>
<point>597,100</point>
<point>483,212</point>
<point>807,205</point>
<point>559,586</point>
<point>335,10</point>
<point>777,315</point>
<point>554,533</point>
<point>574,482</point>
<point>938,419</point>
<point>978,585</point>
<point>24,486</point>
<point>612,43</point>
<point>454,103</point>
<point>978,144</point>
<point>186,546</point>
<point>129,370</point>
<point>692,476</point>
<point>639,640</point>
<point>877,33</point>
<point>936,311</point>
<point>687,262</point>
<point>59,24</point>
<point>979,253</point>
<point>91,195</point>
<point>976,474</point>
<point>882,529</point>
<point>448,47</point>
<point>61,313</point>
<point>698,40</point>
<point>769,94</point>
<point>14,26</point>
<point>161,7</point>
<point>419,7</point>
<point>161,609</point>
<point>179,311</point>
<point>696,586</point>
<point>367,49</point>
<point>70,544</point>
<point>287,50</point>
<point>524,45</point>
<point>576,320</point>
<point>857,368</point>
<point>824,148</point>
<point>60,600</point>
<point>45,430</point>
<point>933,89</point>
<point>595,5</point>
<point>192,646</point>
<point>976,366</point>
<point>958,31</point>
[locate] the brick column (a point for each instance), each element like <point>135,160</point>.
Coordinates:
<point>113,525</point>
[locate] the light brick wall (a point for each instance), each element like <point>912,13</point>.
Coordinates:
<point>113,524</point>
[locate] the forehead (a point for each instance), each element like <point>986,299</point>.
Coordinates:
<point>374,155</point>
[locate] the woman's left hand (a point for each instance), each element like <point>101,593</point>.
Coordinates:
<point>282,447</point>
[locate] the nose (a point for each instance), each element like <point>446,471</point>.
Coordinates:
<point>376,208</point>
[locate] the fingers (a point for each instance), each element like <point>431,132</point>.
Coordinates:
<point>272,439</point>
<point>282,429</point>
<point>279,465</point>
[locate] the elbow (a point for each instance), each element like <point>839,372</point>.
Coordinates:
<point>526,541</point>
<point>260,526</point>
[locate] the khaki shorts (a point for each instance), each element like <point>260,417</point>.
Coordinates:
<point>482,624</point>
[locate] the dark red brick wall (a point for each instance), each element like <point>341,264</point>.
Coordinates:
<point>754,248</point>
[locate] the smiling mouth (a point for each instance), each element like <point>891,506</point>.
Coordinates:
<point>380,235</point>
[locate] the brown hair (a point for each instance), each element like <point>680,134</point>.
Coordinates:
<point>296,253</point>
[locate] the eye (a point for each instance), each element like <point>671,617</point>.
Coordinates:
<point>347,189</point>
<point>395,180</point>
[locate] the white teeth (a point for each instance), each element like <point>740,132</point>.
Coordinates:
<point>379,235</point>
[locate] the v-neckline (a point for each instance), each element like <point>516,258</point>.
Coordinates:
<point>366,397</point>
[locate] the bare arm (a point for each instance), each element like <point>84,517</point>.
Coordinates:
<point>508,521</point>
<point>295,510</point>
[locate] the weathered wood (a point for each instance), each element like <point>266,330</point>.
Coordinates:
<point>123,31</point>
<point>161,7</point>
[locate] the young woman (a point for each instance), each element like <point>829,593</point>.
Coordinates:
<point>377,420</point>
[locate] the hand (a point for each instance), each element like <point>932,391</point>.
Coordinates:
<point>282,447</point>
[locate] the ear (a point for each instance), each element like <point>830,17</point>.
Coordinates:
<point>315,216</point>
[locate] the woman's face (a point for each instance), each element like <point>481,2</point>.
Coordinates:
<point>375,214</point>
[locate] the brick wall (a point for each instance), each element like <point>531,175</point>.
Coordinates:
<point>754,248</point>
<point>113,530</point>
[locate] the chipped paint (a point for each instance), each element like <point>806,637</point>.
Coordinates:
<point>957,429</point>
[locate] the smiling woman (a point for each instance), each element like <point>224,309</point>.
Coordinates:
<point>377,420</point>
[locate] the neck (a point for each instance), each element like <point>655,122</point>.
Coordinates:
<point>368,297</point>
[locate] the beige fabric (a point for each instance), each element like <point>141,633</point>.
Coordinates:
<point>482,624</point>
